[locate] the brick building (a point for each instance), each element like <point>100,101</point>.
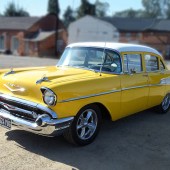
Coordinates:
<point>151,32</point>
<point>32,35</point>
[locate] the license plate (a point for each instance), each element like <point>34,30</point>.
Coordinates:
<point>4,122</point>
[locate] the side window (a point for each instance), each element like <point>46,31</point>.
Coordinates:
<point>151,63</point>
<point>115,61</point>
<point>132,63</point>
<point>162,67</point>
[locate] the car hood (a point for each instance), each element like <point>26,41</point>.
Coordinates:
<point>53,74</point>
<point>27,82</point>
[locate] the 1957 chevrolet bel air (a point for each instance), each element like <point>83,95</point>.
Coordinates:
<point>90,81</point>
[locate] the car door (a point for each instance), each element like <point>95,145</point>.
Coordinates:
<point>155,69</point>
<point>134,84</point>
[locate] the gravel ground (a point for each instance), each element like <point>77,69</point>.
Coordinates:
<point>141,141</point>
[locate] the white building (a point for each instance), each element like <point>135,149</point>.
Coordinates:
<point>89,28</point>
<point>148,31</point>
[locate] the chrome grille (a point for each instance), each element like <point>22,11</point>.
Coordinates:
<point>19,112</point>
<point>24,109</point>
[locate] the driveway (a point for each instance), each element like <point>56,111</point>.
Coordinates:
<point>141,142</point>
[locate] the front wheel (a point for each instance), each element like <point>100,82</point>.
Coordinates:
<point>165,105</point>
<point>85,126</point>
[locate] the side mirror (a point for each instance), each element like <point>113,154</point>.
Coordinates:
<point>114,65</point>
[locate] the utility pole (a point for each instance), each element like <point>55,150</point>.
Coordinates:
<point>56,34</point>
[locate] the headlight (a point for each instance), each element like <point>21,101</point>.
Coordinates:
<point>49,97</point>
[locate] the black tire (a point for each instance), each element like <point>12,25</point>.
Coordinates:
<point>165,105</point>
<point>83,125</point>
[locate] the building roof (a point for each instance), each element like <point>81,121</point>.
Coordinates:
<point>130,24</point>
<point>41,36</point>
<point>120,47</point>
<point>138,24</point>
<point>17,23</point>
<point>161,25</point>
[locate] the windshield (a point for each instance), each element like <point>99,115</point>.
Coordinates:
<point>91,58</point>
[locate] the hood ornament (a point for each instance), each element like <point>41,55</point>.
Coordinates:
<point>9,72</point>
<point>43,79</point>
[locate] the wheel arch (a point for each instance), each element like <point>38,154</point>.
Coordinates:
<point>104,111</point>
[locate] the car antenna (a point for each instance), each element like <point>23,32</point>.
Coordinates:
<point>103,59</point>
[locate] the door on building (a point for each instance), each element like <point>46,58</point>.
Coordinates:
<point>26,47</point>
<point>14,45</point>
<point>2,43</point>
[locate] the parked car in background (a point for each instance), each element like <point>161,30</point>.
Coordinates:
<point>91,81</point>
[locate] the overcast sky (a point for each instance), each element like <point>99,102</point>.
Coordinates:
<point>39,7</point>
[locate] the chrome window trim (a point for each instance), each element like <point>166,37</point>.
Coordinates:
<point>160,60</point>
<point>29,103</point>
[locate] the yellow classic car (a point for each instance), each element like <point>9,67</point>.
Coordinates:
<point>90,82</point>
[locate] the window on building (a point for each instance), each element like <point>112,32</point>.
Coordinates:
<point>138,35</point>
<point>132,63</point>
<point>152,63</point>
<point>105,32</point>
<point>128,36</point>
<point>15,43</point>
<point>116,35</point>
<point>2,42</point>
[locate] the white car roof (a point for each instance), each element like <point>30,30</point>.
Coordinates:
<point>120,47</point>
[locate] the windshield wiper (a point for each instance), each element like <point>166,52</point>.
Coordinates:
<point>64,66</point>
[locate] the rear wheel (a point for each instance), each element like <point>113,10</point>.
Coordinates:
<point>85,126</point>
<point>165,105</point>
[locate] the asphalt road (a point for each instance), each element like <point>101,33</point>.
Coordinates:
<point>138,142</point>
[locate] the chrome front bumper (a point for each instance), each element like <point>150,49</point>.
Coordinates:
<point>44,125</point>
<point>32,117</point>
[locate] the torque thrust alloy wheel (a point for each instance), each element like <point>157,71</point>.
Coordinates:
<point>165,105</point>
<point>85,126</point>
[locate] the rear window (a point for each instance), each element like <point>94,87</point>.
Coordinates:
<point>152,63</point>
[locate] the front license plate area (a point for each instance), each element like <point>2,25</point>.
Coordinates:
<point>4,122</point>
